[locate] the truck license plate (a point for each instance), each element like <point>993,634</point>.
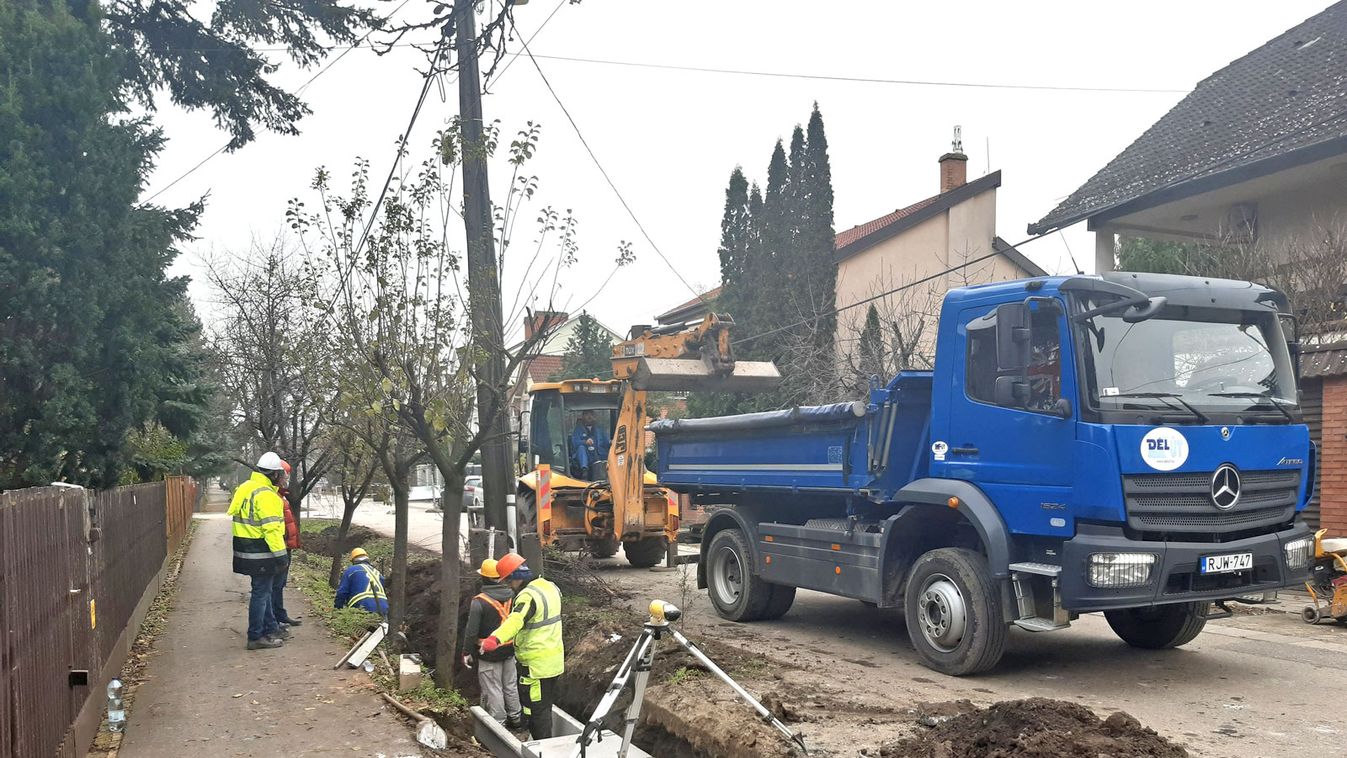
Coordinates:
<point>1224,564</point>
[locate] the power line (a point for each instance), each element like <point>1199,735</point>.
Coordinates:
<point>608,178</point>
<point>808,76</point>
<point>872,298</point>
<point>862,79</point>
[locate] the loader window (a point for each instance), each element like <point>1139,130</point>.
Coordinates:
<point>548,434</point>
<point>1045,362</point>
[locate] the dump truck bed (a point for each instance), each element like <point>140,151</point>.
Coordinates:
<point>855,447</point>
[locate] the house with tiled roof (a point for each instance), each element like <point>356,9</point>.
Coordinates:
<point>1257,153</point>
<point>943,241</point>
<point>953,227</point>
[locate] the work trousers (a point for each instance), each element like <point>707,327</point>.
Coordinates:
<point>500,693</point>
<point>261,615</point>
<point>278,595</point>
<point>537,697</point>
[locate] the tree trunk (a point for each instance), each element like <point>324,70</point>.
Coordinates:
<point>451,571</point>
<point>348,506</point>
<point>397,590</point>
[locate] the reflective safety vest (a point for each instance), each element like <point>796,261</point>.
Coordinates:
<point>502,609</point>
<point>259,527</point>
<point>534,625</point>
<point>362,587</point>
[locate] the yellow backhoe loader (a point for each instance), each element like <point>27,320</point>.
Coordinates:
<point>590,434</point>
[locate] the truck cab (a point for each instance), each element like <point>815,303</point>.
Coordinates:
<point>1125,443</point>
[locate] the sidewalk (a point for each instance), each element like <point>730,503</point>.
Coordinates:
<point>207,695</point>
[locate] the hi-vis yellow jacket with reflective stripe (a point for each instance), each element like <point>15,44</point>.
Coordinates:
<point>534,624</point>
<point>259,527</point>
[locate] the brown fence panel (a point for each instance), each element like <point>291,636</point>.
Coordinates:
<point>129,554</point>
<point>180,501</point>
<point>66,595</point>
<point>44,604</point>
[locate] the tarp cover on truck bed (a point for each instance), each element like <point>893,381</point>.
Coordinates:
<point>767,419</point>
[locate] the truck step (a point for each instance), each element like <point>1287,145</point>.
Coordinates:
<point>1041,569</point>
<point>1037,624</point>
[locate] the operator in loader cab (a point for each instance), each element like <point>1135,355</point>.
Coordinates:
<point>589,444</point>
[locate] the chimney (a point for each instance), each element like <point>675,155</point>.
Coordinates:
<point>954,165</point>
<point>541,321</point>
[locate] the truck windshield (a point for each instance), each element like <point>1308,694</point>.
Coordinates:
<point>1189,361</point>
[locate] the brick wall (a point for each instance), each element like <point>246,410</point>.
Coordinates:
<point>1333,458</point>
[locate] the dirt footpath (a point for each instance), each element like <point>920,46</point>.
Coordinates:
<point>206,695</point>
<point>1248,686</point>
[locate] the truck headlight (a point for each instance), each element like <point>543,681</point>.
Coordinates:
<point>1298,552</point>
<point>1117,570</point>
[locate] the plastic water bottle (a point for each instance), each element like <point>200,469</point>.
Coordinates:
<point>368,666</point>
<point>116,711</point>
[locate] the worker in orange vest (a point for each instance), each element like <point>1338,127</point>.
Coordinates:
<point>496,674</point>
<point>291,544</point>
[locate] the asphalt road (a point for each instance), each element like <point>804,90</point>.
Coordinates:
<point>1252,685</point>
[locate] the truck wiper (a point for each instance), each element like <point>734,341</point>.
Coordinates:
<point>1199,415</point>
<point>1257,396</point>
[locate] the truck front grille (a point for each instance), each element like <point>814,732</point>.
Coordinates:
<point>1182,502</point>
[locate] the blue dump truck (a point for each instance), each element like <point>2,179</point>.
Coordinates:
<point>1126,443</point>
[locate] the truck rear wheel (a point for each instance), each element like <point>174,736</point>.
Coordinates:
<point>735,591</point>
<point>645,553</point>
<point>603,548</point>
<point>953,612</point>
<point>1160,626</point>
<point>781,600</point>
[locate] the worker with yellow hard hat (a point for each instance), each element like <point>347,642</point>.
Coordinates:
<point>362,586</point>
<point>534,626</point>
<point>496,673</point>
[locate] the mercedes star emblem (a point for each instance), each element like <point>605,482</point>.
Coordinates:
<point>1225,432</point>
<point>1225,487</point>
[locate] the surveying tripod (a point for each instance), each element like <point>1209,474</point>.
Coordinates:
<point>639,662</point>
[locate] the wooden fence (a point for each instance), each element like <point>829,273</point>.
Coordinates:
<point>77,572</point>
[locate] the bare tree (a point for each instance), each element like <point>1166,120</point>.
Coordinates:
<point>399,305</point>
<point>354,469</point>
<point>265,347</point>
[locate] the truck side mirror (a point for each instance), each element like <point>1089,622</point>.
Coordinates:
<point>1012,337</point>
<point>1011,391</point>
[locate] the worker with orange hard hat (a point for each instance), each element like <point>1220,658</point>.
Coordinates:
<point>496,673</point>
<point>534,626</point>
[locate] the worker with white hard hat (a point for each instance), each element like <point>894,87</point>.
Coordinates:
<point>259,546</point>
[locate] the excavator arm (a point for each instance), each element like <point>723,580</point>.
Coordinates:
<point>676,358</point>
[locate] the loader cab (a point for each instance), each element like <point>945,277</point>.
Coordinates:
<point>557,410</point>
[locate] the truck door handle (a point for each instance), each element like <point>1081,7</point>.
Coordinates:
<point>963,451</point>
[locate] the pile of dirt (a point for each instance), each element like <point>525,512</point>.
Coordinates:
<point>326,542</point>
<point>1035,728</point>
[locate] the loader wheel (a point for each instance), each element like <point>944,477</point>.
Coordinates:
<point>603,548</point>
<point>736,593</point>
<point>1158,627</point>
<point>952,607</point>
<point>645,553</point>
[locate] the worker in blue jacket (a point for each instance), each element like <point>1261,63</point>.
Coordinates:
<point>589,444</point>
<point>362,586</point>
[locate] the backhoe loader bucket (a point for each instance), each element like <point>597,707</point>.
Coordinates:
<point>684,374</point>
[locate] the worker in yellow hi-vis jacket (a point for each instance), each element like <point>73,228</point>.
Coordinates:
<point>534,625</point>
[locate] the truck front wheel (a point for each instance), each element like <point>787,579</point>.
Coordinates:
<point>1158,627</point>
<point>735,591</point>
<point>953,612</point>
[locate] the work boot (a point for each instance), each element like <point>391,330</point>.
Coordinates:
<point>264,643</point>
<point>514,723</point>
<point>292,622</point>
<point>281,633</point>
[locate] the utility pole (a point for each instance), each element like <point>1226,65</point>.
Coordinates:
<point>488,332</point>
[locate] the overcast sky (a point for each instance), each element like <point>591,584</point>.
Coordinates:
<point>669,138</point>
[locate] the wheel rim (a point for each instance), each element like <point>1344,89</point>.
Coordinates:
<point>942,613</point>
<point>729,575</point>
